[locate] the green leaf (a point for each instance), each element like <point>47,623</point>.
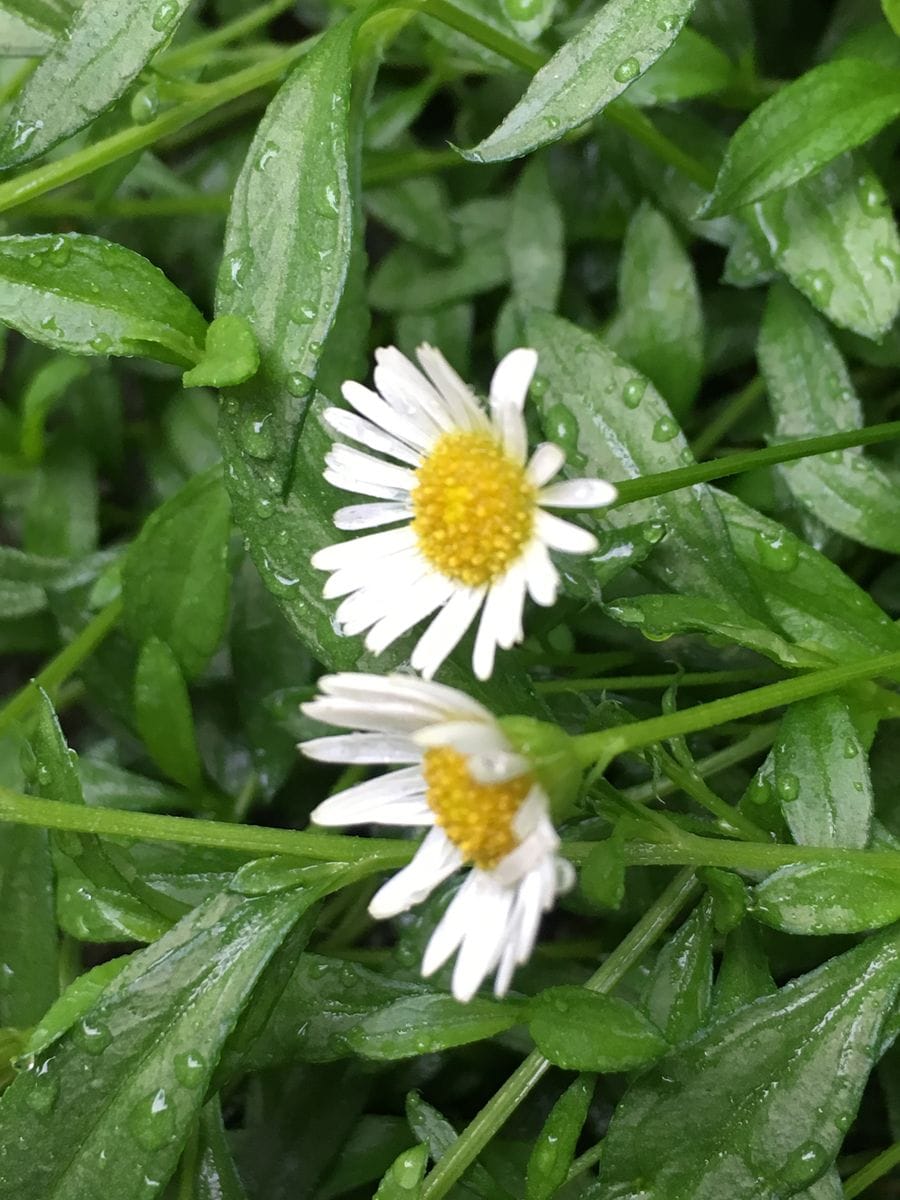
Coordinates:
<point>835,238</point>
<point>730,1114</point>
<point>403,1176</point>
<point>107,786</point>
<point>659,326</point>
<point>744,973</point>
<point>692,66</point>
<point>554,1150</point>
<point>426,1024</point>
<point>728,895</point>
<point>418,210</point>
<point>215,1175</point>
<point>891,10</point>
<point>822,774</point>
<point>231,355</point>
<point>80,996</point>
<point>61,516</point>
<point>588,1031</point>
<point>159,1026</point>
<point>811,393</point>
<point>175,579</point>
<point>162,711</point>
<point>609,52</point>
<point>105,48</point>
<point>612,423</point>
<point>535,239</point>
<point>45,388</point>
<point>602,877</point>
<point>30,27</point>
<point>834,897</point>
<point>85,295</point>
<point>434,1130</point>
<point>678,993</point>
<point>806,124</point>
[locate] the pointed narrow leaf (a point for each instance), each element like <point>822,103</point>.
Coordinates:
<point>402,1178</point>
<point>425,1024</point>
<point>105,48</point>
<point>29,949</point>
<point>216,1176</point>
<point>554,1149</point>
<point>744,973</point>
<point>678,992</point>
<point>536,239</point>
<point>729,1114</point>
<point>588,1031</point>
<point>820,898</point>
<point>162,712</point>
<point>806,124</point>
<point>609,52</point>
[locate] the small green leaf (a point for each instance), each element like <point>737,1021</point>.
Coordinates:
<point>588,1031</point>
<point>175,578</point>
<point>610,51</point>
<point>692,66</point>
<point>554,1149</point>
<point>744,973</point>
<point>834,897</point>
<point>418,210</point>
<point>741,1124</point>
<point>806,124</point>
<point>811,393</point>
<point>162,710</point>
<point>449,327</point>
<point>891,10</point>
<point>85,295</point>
<point>678,993</point>
<point>535,239</point>
<point>425,1024</point>
<point>403,1176</point>
<point>45,388</point>
<point>104,49</point>
<point>215,1176</point>
<point>617,551</point>
<point>231,355</point>
<point>61,519</point>
<point>602,877</point>
<point>728,895</point>
<point>659,326</point>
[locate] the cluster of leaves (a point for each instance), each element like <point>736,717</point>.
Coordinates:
<point>685,208</point>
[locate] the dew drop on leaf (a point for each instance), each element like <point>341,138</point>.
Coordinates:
<point>627,70</point>
<point>788,787</point>
<point>151,1122</point>
<point>664,430</point>
<point>776,553</point>
<point>165,16</point>
<point>633,392</point>
<point>92,1036</point>
<point>190,1068</point>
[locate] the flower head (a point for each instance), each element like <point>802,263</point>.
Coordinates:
<point>458,774</point>
<point>472,531</point>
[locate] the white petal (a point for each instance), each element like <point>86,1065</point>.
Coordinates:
<point>429,595</point>
<point>394,799</point>
<point>405,566</point>
<point>506,969</point>
<point>365,549</point>
<point>459,397</point>
<point>435,859</point>
<point>345,483</point>
<point>530,905</point>
<point>510,601</point>
<point>578,493</point>
<point>446,630</point>
<point>419,434</point>
<point>546,462</point>
<point>512,377</point>
<point>468,737</point>
<point>376,716</point>
<point>484,941</point>
<point>497,766</point>
<point>539,846</point>
<point>541,575</point>
<point>360,467</point>
<point>451,929</point>
<point>370,516</point>
<point>433,701</point>
<point>560,535</point>
<point>360,430</point>
<point>488,635</point>
<point>510,429</point>
<point>362,748</point>
<point>371,603</point>
<point>405,388</point>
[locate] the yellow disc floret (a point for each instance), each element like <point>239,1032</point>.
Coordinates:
<point>477,817</point>
<point>474,508</point>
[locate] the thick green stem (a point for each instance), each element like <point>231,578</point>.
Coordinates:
<point>872,1171</point>
<point>692,851</point>
<point>633,683</point>
<point>501,1106</point>
<point>59,669</point>
<point>605,745</point>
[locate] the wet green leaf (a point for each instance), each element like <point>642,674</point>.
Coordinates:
<point>425,1024</point>
<point>609,52</point>
<point>588,1031</point>
<point>215,1176</point>
<point>86,295</point>
<point>834,897</point>
<point>231,355</point>
<point>61,518</point>
<point>401,1182</point>
<point>806,124</point>
<point>678,993</point>
<point>80,996</point>
<point>31,26</point>
<point>708,1119</point>
<point>162,710</point>
<point>419,211</point>
<point>692,66</point>
<point>554,1149</point>
<point>602,877</point>
<point>29,980</point>
<point>744,974</point>
<point>106,46</point>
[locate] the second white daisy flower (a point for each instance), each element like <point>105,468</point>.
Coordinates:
<point>460,775</point>
<point>473,534</point>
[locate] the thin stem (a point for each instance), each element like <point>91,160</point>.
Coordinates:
<point>733,410</point>
<point>193,831</point>
<point>731,820</point>
<point>872,1171</point>
<point>633,683</point>
<point>720,760</point>
<point>585,1161</point>
<point>182,56</point>
<point>693,851</point>
<point>63,665</point>
<point>503,1103</point>
<point>603,746</point>
<point>749,460</point>
<point>516,52</point>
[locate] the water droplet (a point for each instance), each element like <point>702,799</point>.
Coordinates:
<point>165,16</point>
<point>833,456</point>
<point>633,392</point>
<point>303,312</point>
<point>45,1091</point>
<point>562,426</point>
<point>269,151</point>
<point>24,133</point>
<point>664,430</point>
<point>144,105</point>
<point>152,1121</point>
<point>653,532</point>
<point>267,875</point>
<point>92,1036</point>
<point>551,122</point>
<point>101,343</point>
<point>667,24</point>
<point>43,774</point>
<point>49,323</point>
<point>759,791</point>
<point>778,553</point>
<point>35,261</point>
<point>263,507</point>
<point>315,349</point>
<point>237,267</point>
<point>190,1068</point>
<point>538,386</point>
<point>851,748</point>
<point>627,70</point>
<point>818,285</point>
<point>805,1164</point>
<point>889,259</point>
<point>60,252</point>
<point>788,787</point>
<point>257,436</point>
<point>871,198</point>
<point>299,384</point>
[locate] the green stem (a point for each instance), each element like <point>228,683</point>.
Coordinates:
<point>692,851</point>
<point>640,682</point>
<point>872,1171</point>
<point>182,56</point>
<point>720,760</point>
<point>192,831</point>
<point>516,52</point>
<point>585,1161</point>
<point>63,665</point>
<point>730,819</point>
<point>605,745</point>
<point>733,410</point>
<point>503,1103</point>
<point>719,468</point>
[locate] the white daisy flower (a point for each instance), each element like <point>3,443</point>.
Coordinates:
<point>460,775</point>
<point>473,534</point>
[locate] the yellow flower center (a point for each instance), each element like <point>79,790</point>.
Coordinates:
<point>477,817</point>
<point>473,508</point>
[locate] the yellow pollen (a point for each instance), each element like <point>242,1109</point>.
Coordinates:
<point>473,508</point>
<point>477,817</point>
